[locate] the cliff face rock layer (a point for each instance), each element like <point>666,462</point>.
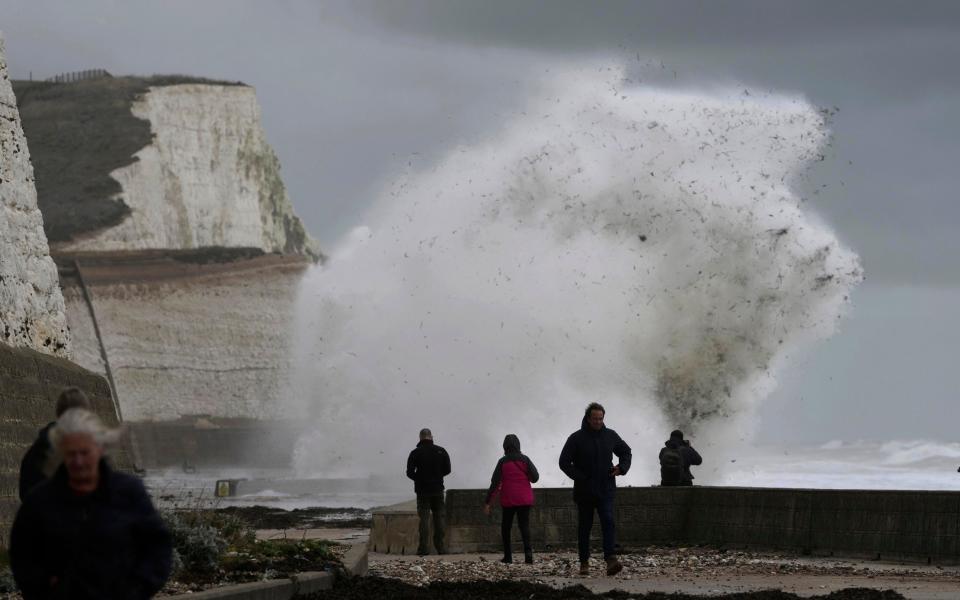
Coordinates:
<point>31,306</point>
<point>193,168</point>
<point>32,316</point>
<point>184,336</point>
<point>178,248</point>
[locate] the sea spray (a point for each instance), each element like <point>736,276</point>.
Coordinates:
<point>639,247</point>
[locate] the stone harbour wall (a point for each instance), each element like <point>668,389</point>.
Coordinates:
<point>208,442</point>
<point>30,383</point>
<point>876,524</point>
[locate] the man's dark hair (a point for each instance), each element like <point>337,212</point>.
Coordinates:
<point>71,397</point>
<point>594,406</point>
<point>676,434</point>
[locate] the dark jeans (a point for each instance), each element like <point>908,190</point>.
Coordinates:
<point>427,503</point>
<point>604,508</point>
<point>506,524</point>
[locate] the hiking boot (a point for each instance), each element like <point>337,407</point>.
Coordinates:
<point>613,566</point>
<point>507,560</point>
<point>528,558</point>
<point>585,568</point>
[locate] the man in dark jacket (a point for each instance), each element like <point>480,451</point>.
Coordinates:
<point>676,456</point>
<point>37,465</point>
<point>427,465</point>
<point>587,458</point>
<point>88,533</point>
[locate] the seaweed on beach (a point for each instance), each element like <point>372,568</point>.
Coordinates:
<point>267,517</point>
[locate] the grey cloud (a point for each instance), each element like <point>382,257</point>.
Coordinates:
<point>353,91</point>
<point>889,374</point>
<point>570,25</point>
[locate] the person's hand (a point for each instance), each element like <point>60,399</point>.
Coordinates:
<point>486,509</point>
<point>615,471</point>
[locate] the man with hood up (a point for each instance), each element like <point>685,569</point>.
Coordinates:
<point>427,465</point>
<point>587,459</point>
<point>676,456</point>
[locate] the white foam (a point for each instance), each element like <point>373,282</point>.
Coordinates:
<point>634,246</point>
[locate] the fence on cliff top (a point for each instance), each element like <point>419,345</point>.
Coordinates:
<point>79,76</point>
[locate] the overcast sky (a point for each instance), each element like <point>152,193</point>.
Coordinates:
<point>353,93</point>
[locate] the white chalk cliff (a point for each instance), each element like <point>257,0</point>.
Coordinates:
<point>186,339</point>
<point>209,178</point>
<point>31,305</point>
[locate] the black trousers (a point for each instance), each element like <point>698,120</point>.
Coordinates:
<point>506,524</point>
<point>428,504</point>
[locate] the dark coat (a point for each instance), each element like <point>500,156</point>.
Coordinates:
<point>515,486</point>
<point>689,456</point>
<point>109,544</point>
<point>33,466</point>
<point>427,465</point>
<point>587,459</point>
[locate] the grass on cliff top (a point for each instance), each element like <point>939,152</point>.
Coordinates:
<point>77,134</point>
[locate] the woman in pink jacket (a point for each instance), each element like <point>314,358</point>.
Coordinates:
<point>512,478</point>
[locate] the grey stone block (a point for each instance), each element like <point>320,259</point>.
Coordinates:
<point>941,523</point>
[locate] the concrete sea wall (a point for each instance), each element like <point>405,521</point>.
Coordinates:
<point>210,442</point>
<point>29,385</point>
<point>877,524</point>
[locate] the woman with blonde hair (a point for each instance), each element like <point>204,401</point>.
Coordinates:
<point>89,531</point>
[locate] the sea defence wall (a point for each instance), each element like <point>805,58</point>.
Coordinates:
<point>30,382</point>
<point>202,441</point>
<point>877,524</point>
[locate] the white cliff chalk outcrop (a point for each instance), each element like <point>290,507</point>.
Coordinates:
<point>31,305</point>
<point>184,338</point>
<point>209,178</point>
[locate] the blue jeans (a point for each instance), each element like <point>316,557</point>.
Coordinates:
<point>604,508</point>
